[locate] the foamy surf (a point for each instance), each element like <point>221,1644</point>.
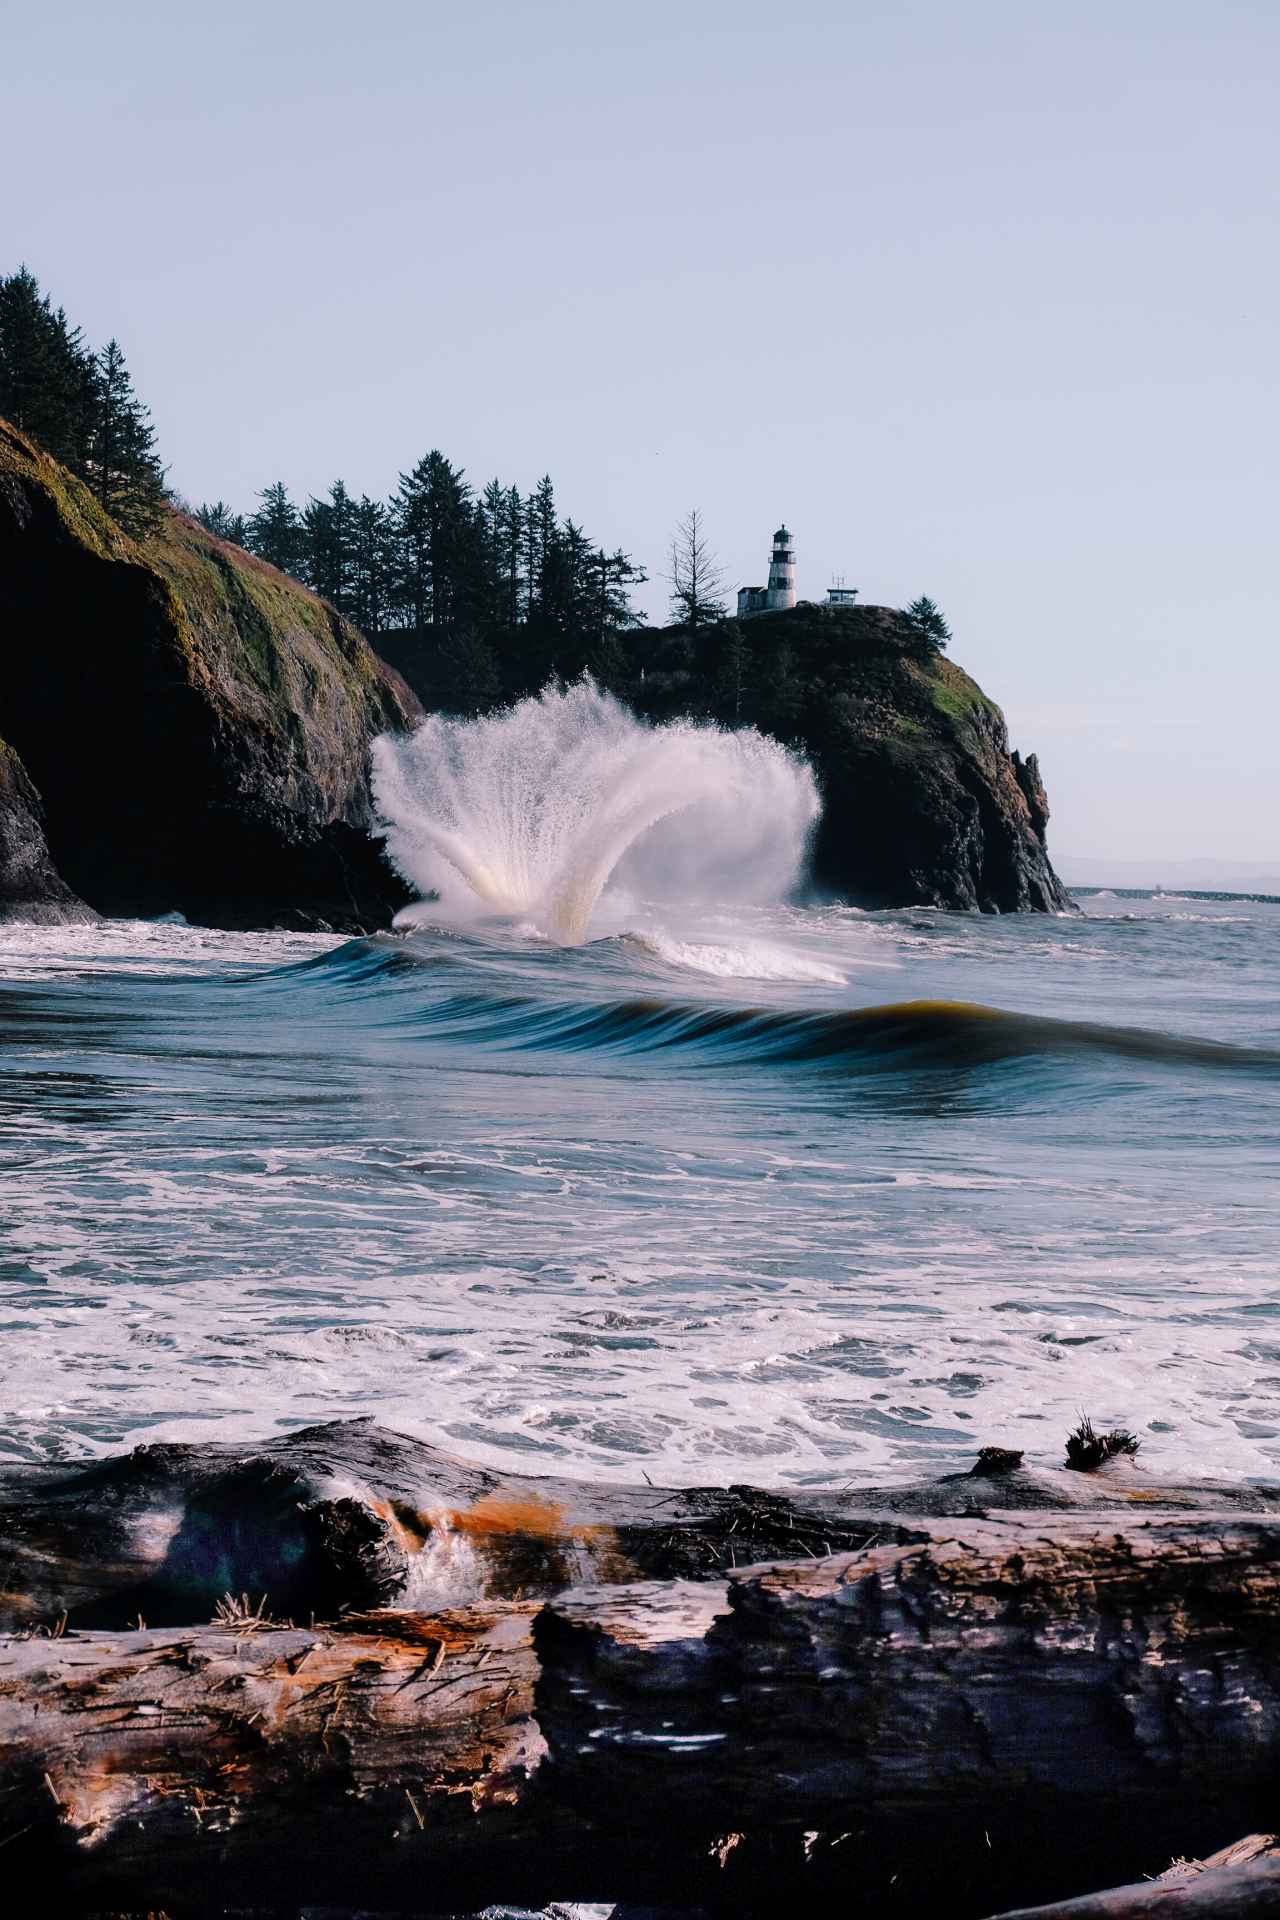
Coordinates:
<point>618,1208</point>
<point>750,960</point>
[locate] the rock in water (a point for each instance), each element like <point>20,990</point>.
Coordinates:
<point>31,888</point>
<point>926,805</point>
<point>197,723</point>
<point>923,802</point>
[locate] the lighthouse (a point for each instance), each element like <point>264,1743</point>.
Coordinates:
<point>782,573</point>
<point>781,590</point>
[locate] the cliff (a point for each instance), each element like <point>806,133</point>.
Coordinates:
<point>197,724</point>
<point>31,888</point>
<point>924,804</point>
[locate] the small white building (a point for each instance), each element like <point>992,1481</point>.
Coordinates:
<point>781,590</point>
<point>838,595</point>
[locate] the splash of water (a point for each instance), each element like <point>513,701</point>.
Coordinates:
<point>536,808</point>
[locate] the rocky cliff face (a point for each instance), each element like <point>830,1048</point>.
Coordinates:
<point>31,888</point>
<point>937,811</point>
<point>197,723</point>
<point>923,802</point>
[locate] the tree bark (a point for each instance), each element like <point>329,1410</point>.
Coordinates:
<point>998,1711</point>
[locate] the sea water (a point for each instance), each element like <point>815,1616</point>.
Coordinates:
<point>712,1190</point>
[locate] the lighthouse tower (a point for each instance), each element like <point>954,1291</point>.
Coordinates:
<point>781,590</point>
<point>782,573</point>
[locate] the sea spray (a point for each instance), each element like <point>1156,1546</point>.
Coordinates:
<point>531,811</point>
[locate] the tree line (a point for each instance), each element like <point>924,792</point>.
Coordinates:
<point>79,404</point>
<point>480,595</point>
<point>508,590</point>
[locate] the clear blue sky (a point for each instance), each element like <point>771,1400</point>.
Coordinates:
<point>980,298</point>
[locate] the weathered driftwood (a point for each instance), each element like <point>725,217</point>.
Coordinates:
<point>1240,1882</point>
<point>347,1514</point>
<point>1000,1711</point>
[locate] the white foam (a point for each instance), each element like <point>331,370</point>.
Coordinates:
<point>751,960</point>
<point>168,946</point>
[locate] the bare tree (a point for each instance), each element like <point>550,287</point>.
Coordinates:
<point>697,581</point>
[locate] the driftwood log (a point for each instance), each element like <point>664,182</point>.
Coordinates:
<point>975,1694</point>
<point>1239,1882</point>
<point>349,1515</point>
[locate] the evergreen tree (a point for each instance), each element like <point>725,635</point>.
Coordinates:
<point>222,520</point>
<point>124,468</point>
<point>275,530</point>
<point>497,601</point>
<point>48,379</point>
<point>515,582</point>
<point>411,537</point>
<point>372,555</point>
<point>697,582</point>
<point>435,541</point>
<point>539,539</point>
<point>612,574</point>
<point>929,630</point>
<point>327,547</point>
<point>489,514</point>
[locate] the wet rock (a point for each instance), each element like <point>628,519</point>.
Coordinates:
<point>31,888</point>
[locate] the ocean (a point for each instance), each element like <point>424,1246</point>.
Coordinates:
<point>721,1193</point>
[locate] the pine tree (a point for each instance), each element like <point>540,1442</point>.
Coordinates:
<point>491,515</point>
<point>81,407</point>
<point>223,521</point>
<point>930,632</point>
<point>125,470</point>
<point>499,603</point>
<point>436,539</point>
<point>515,582</point>
<point>411,537</point>
<point>371,565</point>
<point>275,530</point>
<point>327,548</point>
<point>48,379</point>
<point>612,575</point>
<point>539,539</point>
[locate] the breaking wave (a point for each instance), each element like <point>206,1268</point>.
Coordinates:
<point>910,1034</point>
<point>531,812</point>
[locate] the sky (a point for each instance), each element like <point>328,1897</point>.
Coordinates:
<point>980,298</point>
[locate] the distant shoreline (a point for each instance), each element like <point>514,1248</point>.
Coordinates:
<point>1172,893</point>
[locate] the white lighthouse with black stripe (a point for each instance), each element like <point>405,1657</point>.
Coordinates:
<point>781,590</point>
<point>782,573</point>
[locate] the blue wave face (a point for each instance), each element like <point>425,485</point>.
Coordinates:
<point>419,987</point>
